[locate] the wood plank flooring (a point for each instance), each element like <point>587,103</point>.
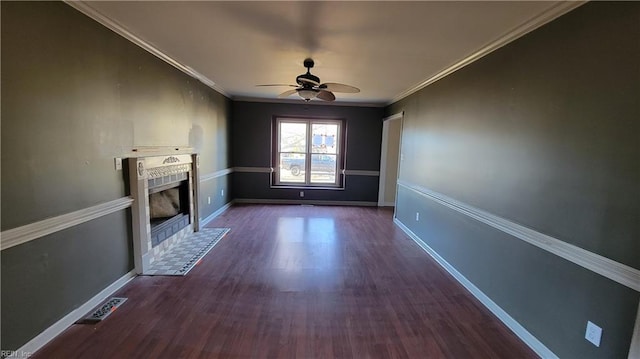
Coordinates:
<point>299,282</point>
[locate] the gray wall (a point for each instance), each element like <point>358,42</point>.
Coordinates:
<point>252,148</point>
<point>543,132</point>
<point>76,95</point>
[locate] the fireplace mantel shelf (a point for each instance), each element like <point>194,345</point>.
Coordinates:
<point>149,151</point>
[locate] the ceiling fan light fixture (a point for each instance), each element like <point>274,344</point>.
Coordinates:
<point>309,87</point>
<point>307,94</point>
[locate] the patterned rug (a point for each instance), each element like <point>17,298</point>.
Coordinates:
<point>182,257</point>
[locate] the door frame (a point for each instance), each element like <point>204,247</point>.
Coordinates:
<point>383,157</point>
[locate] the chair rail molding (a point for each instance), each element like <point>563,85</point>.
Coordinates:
<point>618,272</point>
<point>253,169</point>
<point>216,174</point>
<point>31,231</point>
<point>361,173</point>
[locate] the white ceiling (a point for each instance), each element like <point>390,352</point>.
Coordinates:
<point>387,49</point>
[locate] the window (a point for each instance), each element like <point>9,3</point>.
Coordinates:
<point>308,152</point>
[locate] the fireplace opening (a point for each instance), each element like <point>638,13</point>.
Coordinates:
<point>168,210</point>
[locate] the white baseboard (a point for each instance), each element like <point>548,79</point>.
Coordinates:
<point>511,323</point>
<point>618,272</point>
<point>61,325</point>
<point>386,204</point>
<point>303,201</point>
<point>634,348</point>
<point>204,222</point>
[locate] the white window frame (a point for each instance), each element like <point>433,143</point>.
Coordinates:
<point>340,142</point>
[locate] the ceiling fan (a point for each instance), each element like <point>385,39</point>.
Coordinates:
<point>309,87</point>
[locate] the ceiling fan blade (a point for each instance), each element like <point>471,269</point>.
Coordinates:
<point>287,93</point>
<point>308,81</point>
<point>277,85</point>
<point>326,95</point>
<point>336,87</point>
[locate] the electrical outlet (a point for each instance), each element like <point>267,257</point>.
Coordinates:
<point>222,192</point>
<point>208,200</point>
<point>301,193</point>
<point>417,216</point>
<point>593,333</point>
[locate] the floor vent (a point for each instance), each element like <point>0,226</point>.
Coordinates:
<point>103,311</point>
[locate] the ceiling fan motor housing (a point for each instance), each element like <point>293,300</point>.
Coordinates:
<point>307,80</point>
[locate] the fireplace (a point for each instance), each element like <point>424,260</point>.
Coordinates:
<point>164,211</point>
<point>168,209</point>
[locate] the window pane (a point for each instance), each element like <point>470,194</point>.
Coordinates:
<point>293,137</point>
<point>324,138</point>
<point>292,167</point>
<point>323,168</point>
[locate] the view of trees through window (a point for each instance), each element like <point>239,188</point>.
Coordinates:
<point>308,152</point>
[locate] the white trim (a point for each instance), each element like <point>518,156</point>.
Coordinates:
<point>634,348</point>
<point>618,272</point>
<point>361,173</point>
<point>253,169</point>
<point>395,116</point>
<point>511,323</point>
<point>166,161</point>
<point>214,175</point>
<point>382,183</point>
<point>152,151</point>
<point>382,180</point>
<point>31,231</point>
<point>299,201</point>
<point>546,16</point>
<point>270,170</point>
<point>300,101</point>
<point>61,325</point>
<point>386,204</point>
<point>86,8</point>
<point>204,222</point>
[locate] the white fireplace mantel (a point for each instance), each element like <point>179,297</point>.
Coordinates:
<point>143,168</point>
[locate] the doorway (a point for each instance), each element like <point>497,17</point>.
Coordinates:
<point>389,160</point>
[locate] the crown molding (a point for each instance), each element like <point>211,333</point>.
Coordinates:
<point>304,103</point>
<point>86,8</point>
<point>550,14</point>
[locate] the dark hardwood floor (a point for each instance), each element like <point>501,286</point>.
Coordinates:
<point>299,282</point>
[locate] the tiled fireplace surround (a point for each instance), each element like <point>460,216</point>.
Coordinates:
<point>163,169</point>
